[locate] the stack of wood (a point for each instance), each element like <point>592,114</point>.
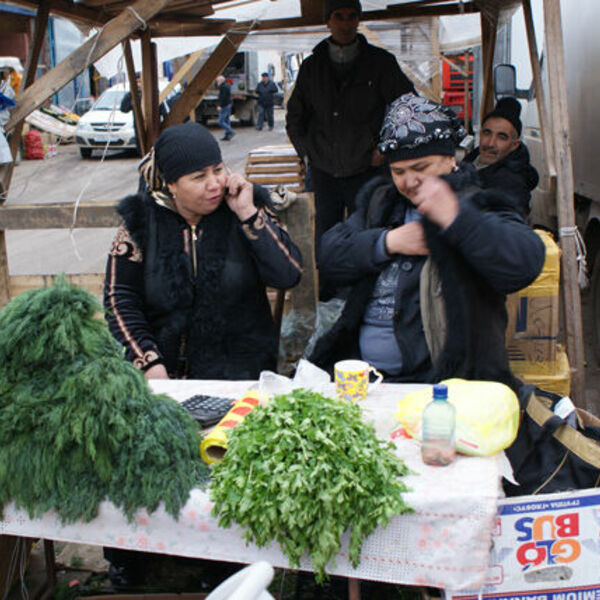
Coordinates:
<point>272,166</point>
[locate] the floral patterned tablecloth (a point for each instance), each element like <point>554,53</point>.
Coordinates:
<point>444,544</point>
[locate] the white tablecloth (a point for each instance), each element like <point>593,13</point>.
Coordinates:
<point>444,544</point>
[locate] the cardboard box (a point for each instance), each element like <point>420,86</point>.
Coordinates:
<point>552,376</point>
<point>532,330</point>
<point>544,548</point>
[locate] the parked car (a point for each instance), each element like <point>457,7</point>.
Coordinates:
<point>105,123</point>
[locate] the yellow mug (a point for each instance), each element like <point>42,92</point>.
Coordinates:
<point>352,379</point>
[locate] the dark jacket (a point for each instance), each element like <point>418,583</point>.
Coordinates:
<point>513,174</point>
<point>224,98</point>
<point>338,127</point>
<point>266,93</point>
<point>204,316</point>
<point>487,252</point>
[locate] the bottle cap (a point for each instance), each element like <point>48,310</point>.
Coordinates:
<point>440,391</point>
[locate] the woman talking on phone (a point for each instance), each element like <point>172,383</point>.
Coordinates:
<point>187,271</point>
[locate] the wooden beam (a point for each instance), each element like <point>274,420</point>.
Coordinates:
<point>72,11</point>
<point>113,33</point>
<point>181,73</point>
<point>39,35</point>
<point>149,87</point>
<point>138,115</point>
<point>540,93</point>
<point>311,10</point>
<point>58,216</point>
<point>489,30</point>
<point>565,192</point>
<point>164,28</point>
<point>193,94</point>
<point>436,77</point>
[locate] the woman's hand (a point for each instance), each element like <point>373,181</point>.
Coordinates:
<point>437,201</point>
<point>407,239</point>
<point>240,197</point>
<point>156,372</point>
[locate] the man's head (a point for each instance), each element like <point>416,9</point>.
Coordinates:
<point>342,18</point>
<point>220,79</point>
<point>265,77</point>
<point>500,131</point>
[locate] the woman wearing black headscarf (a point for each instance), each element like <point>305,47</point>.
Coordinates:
<point>186,275</point>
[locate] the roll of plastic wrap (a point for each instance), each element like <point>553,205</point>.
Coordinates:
<point>214,444</point>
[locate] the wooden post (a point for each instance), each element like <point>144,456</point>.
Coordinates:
<point>150,87</point>
<point>196,89</point>
<point>115,31</point>
<point>564,191</point>
<point>41,23</point>
<point>138,115</point>
<point>436,80</point>
<point>489,30</point>
<point>540,94</point>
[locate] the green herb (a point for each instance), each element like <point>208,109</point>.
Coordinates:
<point>78,423</point>
<point>303,470</point>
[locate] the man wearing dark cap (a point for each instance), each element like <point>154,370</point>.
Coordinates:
<point>336,109</point>
<point>501,157</point>
<point>266,90</point>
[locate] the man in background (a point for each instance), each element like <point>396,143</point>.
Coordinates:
<point>336,110</point>
<point>501,158</point>
<point>266,90</point>
<point>224,107</point>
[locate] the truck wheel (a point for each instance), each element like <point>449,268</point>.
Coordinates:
<point>85,152</point>
<point>595,300</point>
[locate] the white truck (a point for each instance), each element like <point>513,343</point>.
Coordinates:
<point>582,70</point>
<point>242,71</point>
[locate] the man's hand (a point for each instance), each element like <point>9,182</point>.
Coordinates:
<point>407,239</point>
<point>156,372</point>
<point>436,200</point>
<point>240,197</point>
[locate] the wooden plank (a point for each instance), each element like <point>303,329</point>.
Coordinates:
<point>259,169</point>
<point>276,179</point>
<point>273,159</point>
<point>39,34</point>
<point>196,89</point>
<point>149,87</point>
<point>489,27</point>
<point>138,115</point>
<point>565,192</point>
<point>436,78</point>
<point>540,93</point>
<point>92,282</point>
<point>58,216</point>
<point>181,73</point>
<point>89,52</point>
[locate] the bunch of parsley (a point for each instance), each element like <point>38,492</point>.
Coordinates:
<point>79,424</point>
<point>304,469</point>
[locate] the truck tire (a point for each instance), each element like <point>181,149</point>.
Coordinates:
<point>595,300</point>
<point>85,152</point>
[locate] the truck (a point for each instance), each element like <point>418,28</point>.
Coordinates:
<point>242,74</point>
<point>582,66</point>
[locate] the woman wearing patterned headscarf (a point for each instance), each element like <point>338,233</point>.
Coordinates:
<point>186,275</point>
<point>429,257</point>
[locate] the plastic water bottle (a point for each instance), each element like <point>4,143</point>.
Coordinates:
<point>439,420</point>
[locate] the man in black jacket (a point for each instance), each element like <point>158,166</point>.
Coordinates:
<point>224,107</point>
<point>501,157</point>
<point>266,90</point>
<point>336,109</point>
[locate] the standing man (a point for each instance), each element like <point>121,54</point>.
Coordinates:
<point>501,158</point>
<point>335,112</point>
<point>224,107</point>
<point>266,90</point>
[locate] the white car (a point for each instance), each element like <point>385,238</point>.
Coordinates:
<point>105,123</point>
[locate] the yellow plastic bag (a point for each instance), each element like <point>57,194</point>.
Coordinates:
<point>487,415</point>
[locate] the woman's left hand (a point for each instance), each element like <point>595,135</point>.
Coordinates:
<point>437,201</point>
<point>240,196</point>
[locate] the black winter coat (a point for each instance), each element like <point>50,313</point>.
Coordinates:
<point>266,93</point>
<point>513,174</point>
<point>338,127</point>
<point>224,98</point>
<point>487,252</point>
<point>204,316</point>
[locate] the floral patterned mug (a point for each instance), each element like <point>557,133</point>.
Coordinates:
<point>352,379</point>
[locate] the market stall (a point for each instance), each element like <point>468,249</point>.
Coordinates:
<point>444,544</point>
